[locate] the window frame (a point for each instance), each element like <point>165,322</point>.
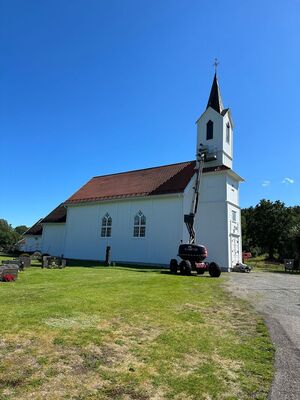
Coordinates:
<point>139,225</point>
<point>209,130</point>
<point>106,226</point>
<point>234,216</point>
<point>228,133</point>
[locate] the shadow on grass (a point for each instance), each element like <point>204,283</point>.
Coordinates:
<point>101,264</point>
<point>138,269</point>
<point>124,267</point>
<point>84,263</point>
<point>193,275</point>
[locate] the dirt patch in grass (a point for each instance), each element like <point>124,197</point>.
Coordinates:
<point>124,392</point>
<point>75,322</point>
<point>46,370</point>
<point>234,318</point>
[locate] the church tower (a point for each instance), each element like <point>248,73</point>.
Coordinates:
<point>215,128</point>
<point>218,221</point>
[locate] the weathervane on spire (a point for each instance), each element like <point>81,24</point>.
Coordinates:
<point>215,64</point>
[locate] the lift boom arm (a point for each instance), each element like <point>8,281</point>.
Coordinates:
<point>189,219</point>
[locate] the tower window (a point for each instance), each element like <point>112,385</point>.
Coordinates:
<point>233,215</point>
<point>209,130</point>
<point>228,133</point>
<point>139,228</point>
<point>106,226</point>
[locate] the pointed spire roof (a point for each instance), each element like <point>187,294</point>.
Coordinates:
<point>215,99</point>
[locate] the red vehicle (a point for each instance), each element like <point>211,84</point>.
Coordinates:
<point>193,255</point>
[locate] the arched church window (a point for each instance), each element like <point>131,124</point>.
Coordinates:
<point>106,226</point>
<point>139,228</point>
<point>228,133</point>
<point>209,130</point>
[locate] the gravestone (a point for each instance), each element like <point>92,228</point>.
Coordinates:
<point>53,262</point>
<point>26,260</point>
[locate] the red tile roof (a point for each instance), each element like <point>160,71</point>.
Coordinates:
<point>59,214</point>
<point>166,179</point>
<point>144,182</point>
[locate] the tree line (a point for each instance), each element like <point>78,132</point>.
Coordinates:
<point>272,228</point>
<point>9,236</point>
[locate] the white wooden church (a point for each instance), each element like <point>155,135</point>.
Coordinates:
<point>140,214</point>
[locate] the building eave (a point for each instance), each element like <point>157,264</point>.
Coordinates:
<point>204,113</point>
<point>235,176</point>
<point>228,171</point>
<point>115,200</point>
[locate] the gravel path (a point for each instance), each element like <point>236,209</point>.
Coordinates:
<point>277,297</point>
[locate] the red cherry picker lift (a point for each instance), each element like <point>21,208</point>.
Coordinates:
<point>193,255</point>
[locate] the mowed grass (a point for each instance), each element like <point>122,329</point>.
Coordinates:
<point>125,333</point>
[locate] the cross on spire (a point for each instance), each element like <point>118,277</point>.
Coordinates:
<point>215,64</point>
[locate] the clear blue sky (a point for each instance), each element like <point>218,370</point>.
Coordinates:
<point>90,87</point>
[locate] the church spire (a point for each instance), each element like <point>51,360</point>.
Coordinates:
<point>215,99</point>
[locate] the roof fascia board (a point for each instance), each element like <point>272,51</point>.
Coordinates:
<point>235,175</point>
<point>52,223</point>
<point>208,108</point>
<point>129,198</point>
<point>227,171</point>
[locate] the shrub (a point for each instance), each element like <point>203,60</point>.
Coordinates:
<point>255,251</point>
<point>8,278</point>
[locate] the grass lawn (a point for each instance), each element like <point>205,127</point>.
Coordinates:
<point>125,333</point>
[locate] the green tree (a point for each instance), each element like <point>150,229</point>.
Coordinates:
<point>21,229</point>
<point>8,236</point>
<point>268,226</point>
<point>246,216</point>
<point>291,246</point>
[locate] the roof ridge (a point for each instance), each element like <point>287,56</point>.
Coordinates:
<point>143,169</point>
